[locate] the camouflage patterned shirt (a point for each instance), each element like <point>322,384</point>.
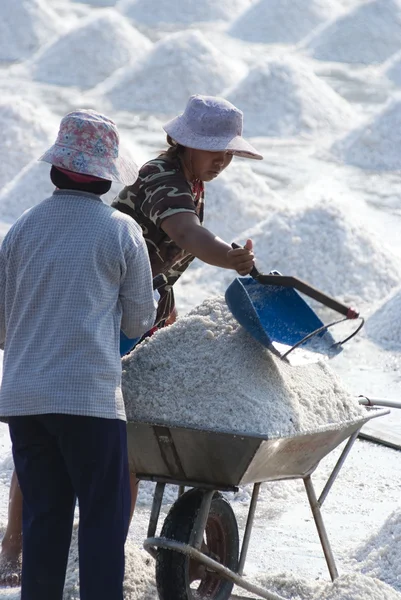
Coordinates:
<point>161,191</point>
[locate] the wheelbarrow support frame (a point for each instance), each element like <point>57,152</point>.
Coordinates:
<point>192,550</point>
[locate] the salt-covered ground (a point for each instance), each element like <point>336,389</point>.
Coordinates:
<point>320,90</point>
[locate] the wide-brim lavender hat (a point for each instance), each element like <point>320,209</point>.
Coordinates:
<point>89,143</point>
<point>213,124</point>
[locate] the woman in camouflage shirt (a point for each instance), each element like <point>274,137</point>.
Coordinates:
<point>167,200</point>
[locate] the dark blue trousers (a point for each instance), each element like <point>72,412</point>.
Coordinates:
<point>59,458</point>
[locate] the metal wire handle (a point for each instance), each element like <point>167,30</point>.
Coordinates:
<point>325,327</point>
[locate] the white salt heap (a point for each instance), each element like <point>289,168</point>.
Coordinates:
<point>30,186</point>
<point>139,579</point>
<point>180,65</point>
<point>283,21</point>
<point>283,97</point>
<point>241,193</point>
<point>103,42</point>
<point>325,246</point>
<point>374,145</point>
<point>207,372</point>
<point>357,587</point>
<point>99,3</point>
<point>27,130</point>
<point>353,586</point>
<point>184,12</point>
<point>368,34</point>
<point>384,326</point>
<point>392,68</point>
<point>380,555</point>
<point>25,26</point>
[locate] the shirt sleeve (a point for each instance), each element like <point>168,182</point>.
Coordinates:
<point>136,291</point>
<point>166,198</point>
<point>164,194</point>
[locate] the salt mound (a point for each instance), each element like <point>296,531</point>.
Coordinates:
<point>392,68</point>
<point>283,21</point>
<point>240,191</point>
<point>357,587</point>
<point>97,2</point>
<point>373,145</point>
<point>380,555</point>
<point>27,130</point>
<point>324,246</point>
<point>139,580</point>
<point>185,12</point>
<point>283,97</point>
<point>103,43</point>
<point>29,187</point>
<point>207,372</point>
<point>384,326</point>
<point>369,33</point>
<point>180,65</point>
<point>25,26</point>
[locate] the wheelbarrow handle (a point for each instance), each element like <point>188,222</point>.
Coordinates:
<point>303,287</point>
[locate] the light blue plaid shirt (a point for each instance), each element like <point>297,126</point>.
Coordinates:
<point>72,272</point>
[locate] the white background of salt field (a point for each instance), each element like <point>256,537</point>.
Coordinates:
<point>319,82</point>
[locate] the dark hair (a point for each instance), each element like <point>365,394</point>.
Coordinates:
<point>174,150</point>
<point>63,182</point>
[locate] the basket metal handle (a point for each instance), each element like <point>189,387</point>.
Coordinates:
<point>323,328</point>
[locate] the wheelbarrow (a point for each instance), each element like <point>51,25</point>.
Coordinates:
<point>197,553</point>
<point>270,308</point>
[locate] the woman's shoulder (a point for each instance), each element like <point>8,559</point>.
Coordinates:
<point>160,168</point>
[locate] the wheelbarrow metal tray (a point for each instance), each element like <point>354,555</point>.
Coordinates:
<point>225,459</point>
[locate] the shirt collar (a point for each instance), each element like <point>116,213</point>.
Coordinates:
<point>58,192</point>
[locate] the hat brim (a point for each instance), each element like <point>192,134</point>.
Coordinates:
<point>121,169</point>
<point>180,132</point>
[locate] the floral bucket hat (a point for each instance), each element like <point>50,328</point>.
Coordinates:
<point>213,124</point>
<point>89,143</point>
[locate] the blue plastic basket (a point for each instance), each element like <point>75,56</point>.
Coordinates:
<point>279,319</point>
<point>127,344</point>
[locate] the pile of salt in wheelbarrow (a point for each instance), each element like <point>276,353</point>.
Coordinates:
<point>213,405</point>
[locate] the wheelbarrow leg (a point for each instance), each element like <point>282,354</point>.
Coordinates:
<point>155,512</point>
<point>248,528</point>
<point>201,520</point>
<point>317,515</point>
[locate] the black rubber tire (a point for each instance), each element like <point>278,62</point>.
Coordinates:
<point>173,568</point>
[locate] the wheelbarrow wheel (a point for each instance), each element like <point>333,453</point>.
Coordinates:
<point>179,577</point>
